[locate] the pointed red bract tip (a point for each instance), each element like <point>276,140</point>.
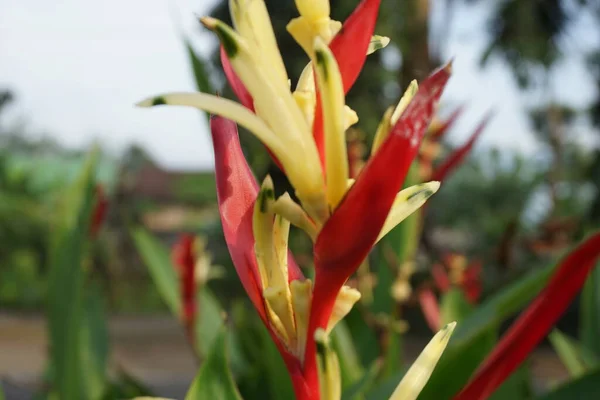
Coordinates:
<point>351,43</point>
<point>535,322</point>
<point>235,82</point>
<point>347,237</point>
<point>458,156</point>
<point>447,124</point>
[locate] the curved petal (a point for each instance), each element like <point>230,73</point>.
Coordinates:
<point>458,156</point>
<point>535,322</point>
<point>349,234</point>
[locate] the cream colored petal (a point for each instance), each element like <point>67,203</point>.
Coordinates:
<point>227,109</point>
<point>408,201</point>
<point>278,108</point>
<point>344,302</point>
<point>287,208</point>
<point>262,228</point>
<point>417,376</point>
<point>251,20</point>
<point>301,299</point>
<point>332,100</point>
<point>377,43</point>
<point>330,382</point>
<point>408,95</point>
<point>313,10</point>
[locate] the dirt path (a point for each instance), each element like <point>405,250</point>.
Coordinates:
<point>154,350</point>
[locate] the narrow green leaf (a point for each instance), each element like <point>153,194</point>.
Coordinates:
<point>568,352</point>
<point>590,313</point>
<point>214,379</point>
<point>209,321</point>
<point>199,68</point>
<point>350,367</point>
<point>94,344</point>
<point>358,390</point>
<point>516,387</point>
<point>65,281</point>
<point>584,387</point>
<point>163,273</point>
<point>363,336</point>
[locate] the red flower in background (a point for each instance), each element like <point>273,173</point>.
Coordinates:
<point>184,259</point>
<point>99,211</point>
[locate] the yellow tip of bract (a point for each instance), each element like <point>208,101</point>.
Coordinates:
<point>330,381</point>
<point>209,22</point>
<point>418,374</point>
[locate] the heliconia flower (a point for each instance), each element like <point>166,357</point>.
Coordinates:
<point>439,128</point>
<point>460,273</point>
<point>184,258</point>
<point>344,217</point>
<point>535,322</point>
<point>99,211</point>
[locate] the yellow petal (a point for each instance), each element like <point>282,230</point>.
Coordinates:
<point>251,20</point>
<point>330,382</point>
<point>383,130</point>
<point>408,201</point>
<point>301,299</point>
<point>262,228</point>
<point>287,208</point>
<point>344,302</point>
<point>313,10</point>
<point>350,117</point>
<point>279,300</point>
<point>275,104</point>
<point>408,95</point>
<point>332,99</point>
<point>377,43</point>
<point>391,117</point>
<point>417,376</point>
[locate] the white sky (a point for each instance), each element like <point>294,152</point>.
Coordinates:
<point>78,66</point>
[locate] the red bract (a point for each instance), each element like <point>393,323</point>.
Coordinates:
<point>349,47</point>
<point>99,212</point>
<point>234,81</point>
<point>350,233</point>
<point>185,261</point>
<point>237,191</point>
<point>444,126</point>
<point>458,156</point>
<point>535,322</point>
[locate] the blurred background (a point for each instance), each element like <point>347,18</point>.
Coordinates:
<point>70,72</point>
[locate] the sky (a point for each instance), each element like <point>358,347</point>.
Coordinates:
<point>77,67</point>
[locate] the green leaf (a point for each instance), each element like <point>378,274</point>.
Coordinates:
<point>209,321</point>
<point>94,344</point>
<point>516,387</point>
<point>2,392</point>
<point>568,351</point>
<point>65,282</point>
<point>214,380</point>
<point>358,390</point>
<point>350,367</point>
<point>363,336</point>
<point>584,387</point>
<point>590,313</point>
<point>384,389</point>
<point>199,67</point>
<point>454,306</point>
<point>163,273</point>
